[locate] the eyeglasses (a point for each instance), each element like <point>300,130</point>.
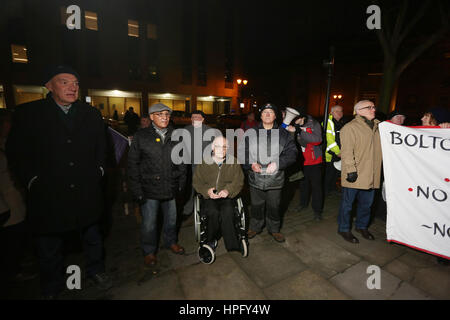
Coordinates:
<point>221,147</point>
<point>162,114</point>
<point>369,107</point>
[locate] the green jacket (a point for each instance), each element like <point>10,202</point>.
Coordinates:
<point>228,177</point>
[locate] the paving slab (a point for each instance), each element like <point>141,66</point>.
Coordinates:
<point>353,282</point>
<point>408,292</point>
<point>307,285</point>
<point>378,252</point>
<point>400,270</point>
<point>435,281</point>
<point>268,263</point>
<point>319,253</point>
<point>417,259</point>
<point>159,287</point>
<point>222,280</point>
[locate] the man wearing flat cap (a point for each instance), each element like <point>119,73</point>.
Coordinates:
<point>57,149</point>
<point>155,180</point>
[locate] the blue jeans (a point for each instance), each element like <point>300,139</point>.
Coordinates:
<point>365,200</point>
<point>149,230</point>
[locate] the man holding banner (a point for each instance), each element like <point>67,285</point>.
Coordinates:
<point>361,169</point>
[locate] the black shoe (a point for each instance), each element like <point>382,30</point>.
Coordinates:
<point>443,262</point>
<point>102,281</point>
<point>348,236</point>
<point>49,297</point>
<point>366,234</point>
<point>317,216</point>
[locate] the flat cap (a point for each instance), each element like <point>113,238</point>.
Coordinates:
<point>158,107</point>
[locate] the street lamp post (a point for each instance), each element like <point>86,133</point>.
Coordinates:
<point>241,83</point>
<point>329,64</point>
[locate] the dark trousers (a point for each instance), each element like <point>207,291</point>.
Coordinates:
<point>12,244</point>
<point>51,259</point>
<point>365,200</point>
<point>220,221</point>
<point>312,184</point>
<point>331,175</point>
<point>265,203</point>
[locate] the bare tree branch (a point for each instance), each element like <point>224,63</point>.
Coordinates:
<point>413,22</point>
<point>399,22</point>
<point>421,49</point>
<point>387,48</point>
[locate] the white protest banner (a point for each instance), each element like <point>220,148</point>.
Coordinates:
<point>416,163</point>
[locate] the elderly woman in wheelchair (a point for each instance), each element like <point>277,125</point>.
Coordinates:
<point>221,214</point>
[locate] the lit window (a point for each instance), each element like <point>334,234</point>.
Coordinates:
<point>19,53</point>
<point>91,20</point>
<point>151,31</point>
<point>133,28</point>
<point>64,15</point>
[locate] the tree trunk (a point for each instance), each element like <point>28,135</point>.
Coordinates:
<point>387,86</point>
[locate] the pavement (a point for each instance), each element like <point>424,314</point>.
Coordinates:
<point>314,263</point>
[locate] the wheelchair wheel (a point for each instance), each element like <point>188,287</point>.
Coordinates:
<point>197,218</point>
<point>206,254</point>
<point>240,207</point>
<point>244,248</point>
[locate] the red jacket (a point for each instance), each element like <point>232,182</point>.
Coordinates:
<point>309,136</point>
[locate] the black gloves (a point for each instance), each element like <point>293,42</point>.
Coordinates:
<point>141,200</point>
<point>352,176</point>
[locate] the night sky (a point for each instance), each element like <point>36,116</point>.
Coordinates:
<point>280,35</point>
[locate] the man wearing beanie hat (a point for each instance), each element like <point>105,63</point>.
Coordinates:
<point>397,117</point>
<point>266,176</point>
<point>155,181</point>
<point>57,146</point>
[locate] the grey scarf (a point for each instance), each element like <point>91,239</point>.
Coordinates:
<point>161,132</point>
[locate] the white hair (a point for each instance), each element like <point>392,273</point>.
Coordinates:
<point>334,108</point>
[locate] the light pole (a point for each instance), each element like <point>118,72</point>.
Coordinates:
<point>329,64</point>
<point>241,83</point>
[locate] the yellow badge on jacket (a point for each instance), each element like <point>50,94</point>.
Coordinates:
<point>158,139</point>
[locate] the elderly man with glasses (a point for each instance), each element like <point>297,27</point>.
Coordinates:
<point>361,169</point>
<point>155,181</point>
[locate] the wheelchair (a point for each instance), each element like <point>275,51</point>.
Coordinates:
<point>206,253</point>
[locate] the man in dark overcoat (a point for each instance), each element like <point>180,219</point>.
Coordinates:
<point>57,149</point>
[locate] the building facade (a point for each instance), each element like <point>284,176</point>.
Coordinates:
<point>184,53</point>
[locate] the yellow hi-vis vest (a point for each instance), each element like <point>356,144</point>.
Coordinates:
<point>331,140</point>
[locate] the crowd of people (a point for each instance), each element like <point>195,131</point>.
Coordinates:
<point>51,174</point>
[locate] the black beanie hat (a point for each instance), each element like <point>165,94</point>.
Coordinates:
<point>54,70</point>
<point>268,106</point>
